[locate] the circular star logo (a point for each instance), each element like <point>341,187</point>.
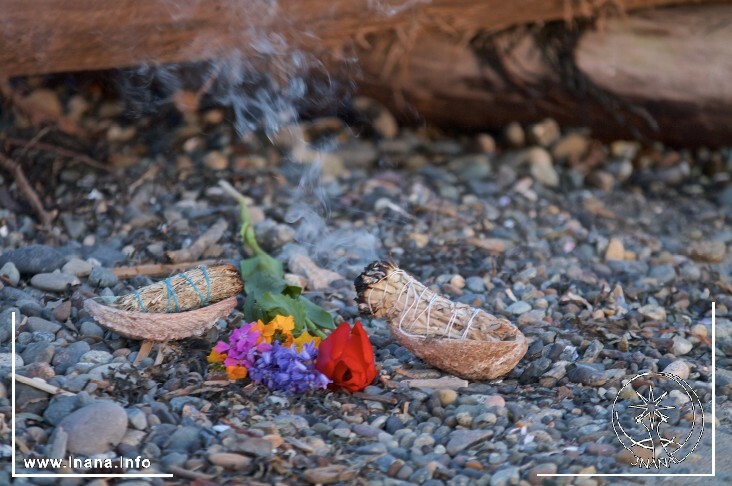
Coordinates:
<point>658,429</point>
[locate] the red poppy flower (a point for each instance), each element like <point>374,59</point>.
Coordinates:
<point>347,358</point>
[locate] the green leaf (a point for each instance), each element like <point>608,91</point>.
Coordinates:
<point>319,316</point>
<point>261,283</point>
<point>273,304</point>
<point>261,264</point>
<point>292,291</point>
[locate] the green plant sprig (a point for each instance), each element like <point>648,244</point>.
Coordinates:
<point>267,293</point>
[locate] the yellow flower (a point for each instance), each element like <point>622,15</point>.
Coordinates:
<point>285,323</point>
<point>236,372</point>
<point>280,329</point>
<point>216,357</point>
<point>305,338</point>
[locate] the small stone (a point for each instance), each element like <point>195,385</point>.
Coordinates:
<point>256,447</point>
<point>544,133</point>
<point>518,308</point>
<point>514,135</point>
<point>54,282</point>
<point>653,312</point>
<point>463,439</point>
<point>59,408</point>
<point>475,284</point>
<point>663,273</point>
<point>216,161</point>
<point>679,368</point>
<point>229,460</point>
<point>45,102</point>
<point>681,346</point>
<point>505,477</point>
<point>494,401</point>
<point>11,273</point>
<point>78,267</point>
<point>585,375</point>
<point>703,251</point>
<point>329,474</point>
<point>446,397</point>
<point>137,418</point>
<point>96,357</point>
<point>62,311</point>
<point>185,439</point>
<point>602,180</point>
<point>542,167</point>
<point>546,468</point>
<point>67,357</point>
<point>95,428</point>
<point>102,277</point>
<point>615,250</point>
<point>33,259</point>
<point>457,281</point>
<point>571,147</point>
<point>318,278</point>
<point>41,352</point>
<point>36,324</point>
<point>89,328</point>
<point>486,143</point>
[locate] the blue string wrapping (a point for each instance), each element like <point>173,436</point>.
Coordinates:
<point>170,292</point>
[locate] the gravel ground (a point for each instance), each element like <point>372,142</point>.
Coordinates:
<point>606,256</point>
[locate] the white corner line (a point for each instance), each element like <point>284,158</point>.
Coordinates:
<point>714,426</point>
<point>12,429</point>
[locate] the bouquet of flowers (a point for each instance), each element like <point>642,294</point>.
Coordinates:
<point>272,356</point>
<point>292,352</point>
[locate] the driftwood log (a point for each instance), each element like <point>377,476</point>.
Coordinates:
<point>619,66</point>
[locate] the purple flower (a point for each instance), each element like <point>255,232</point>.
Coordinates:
<point>242,347</point>
<point>284,368</point>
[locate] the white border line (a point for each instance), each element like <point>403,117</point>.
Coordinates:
<point>714,426</point>
<point>12,425</point>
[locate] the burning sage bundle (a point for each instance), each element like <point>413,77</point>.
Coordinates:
<point>457,338</point>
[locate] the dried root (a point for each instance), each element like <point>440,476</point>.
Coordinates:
<point>463,340</point>
<point>186,291</point>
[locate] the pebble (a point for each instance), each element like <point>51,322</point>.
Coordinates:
<point>615,250</point>
<point>36,324</point>
<point>216,160</point>
<point>541,166</point>
<point>663,273</point>
<point>33,259</point>
<point>329,474</point>
<point>90,328</point>
<point>681,346</point>
<point>545,468</point>
<point>95,428</point>
<point>102,277</point>
<point>54,282</point>
<point>475,284</point>
<point>78,267</point>
<point>585,375</point>
<point>446,396</point>
<point>10,271</point>
<point>96,357</point>
<point>653,312</point>
<point>703,251</point>
<point>571,146</point>
<point>679,368</point>
<point>42,352</point>
<point>137,418</point>
<point>505,477</point>
<point>229,460</point>
<point>544,133</point>
<point>462,439</point>
<point>514,134</point>
<point>518,308</point>
<point>67,357</point>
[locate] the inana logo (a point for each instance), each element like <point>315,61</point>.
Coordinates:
<point>658,417</point>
